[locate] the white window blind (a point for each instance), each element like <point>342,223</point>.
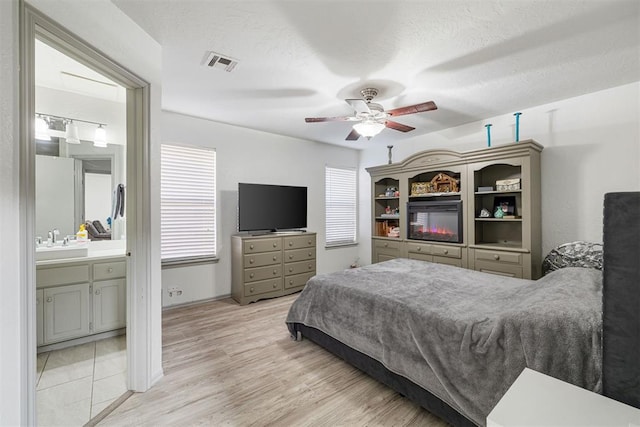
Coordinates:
<point>188,203</point>
<point>340,205</point>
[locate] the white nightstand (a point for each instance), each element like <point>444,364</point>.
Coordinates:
<point>535,399</point>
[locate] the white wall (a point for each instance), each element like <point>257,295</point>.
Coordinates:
<point>245,155</point>
<point>105,27</point>
<point>97,197</point>
<point>591,147</point>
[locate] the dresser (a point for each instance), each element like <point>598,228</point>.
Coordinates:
<point>271,265</point>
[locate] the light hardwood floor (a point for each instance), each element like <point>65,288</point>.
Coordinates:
<point>236,366</point>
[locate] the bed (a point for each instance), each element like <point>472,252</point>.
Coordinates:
<point>453,340</point>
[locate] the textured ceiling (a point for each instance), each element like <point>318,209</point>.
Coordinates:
<point>475,59</point>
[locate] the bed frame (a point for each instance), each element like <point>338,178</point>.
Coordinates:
<point>621,319</point>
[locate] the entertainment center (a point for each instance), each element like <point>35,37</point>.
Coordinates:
<point>477,209</point>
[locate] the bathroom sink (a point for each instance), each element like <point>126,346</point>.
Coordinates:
<point>61,252</point>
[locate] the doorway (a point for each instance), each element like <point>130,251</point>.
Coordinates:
<point>142,326</point>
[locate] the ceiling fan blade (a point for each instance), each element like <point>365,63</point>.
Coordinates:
<point>359,105</point>
<point>353,136</point>
<point>411,109</point>
<point>329,119</point>
<point>398,126</point>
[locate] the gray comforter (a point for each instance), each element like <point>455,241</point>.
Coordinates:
<point>461,334</point>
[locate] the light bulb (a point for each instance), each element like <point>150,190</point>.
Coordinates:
<point>71,134</point>
<point>368,128</point>
<point>100,137</point>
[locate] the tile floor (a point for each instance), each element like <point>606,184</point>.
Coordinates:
<point>76,383</point>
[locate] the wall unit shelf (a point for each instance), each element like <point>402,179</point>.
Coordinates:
<point>506,246</point>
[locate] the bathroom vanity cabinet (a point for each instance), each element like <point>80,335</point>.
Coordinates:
<point>79,297</point>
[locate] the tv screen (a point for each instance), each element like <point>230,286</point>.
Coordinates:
<point>271,207</point>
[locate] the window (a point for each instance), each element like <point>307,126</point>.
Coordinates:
<point>188,203</point>
<point>341,199</point>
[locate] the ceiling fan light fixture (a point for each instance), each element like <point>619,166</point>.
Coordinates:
<point>368,129</point>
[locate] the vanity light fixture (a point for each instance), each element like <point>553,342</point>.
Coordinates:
<point>42,128</point>
<point>100,138</point>
<point>71,133</point>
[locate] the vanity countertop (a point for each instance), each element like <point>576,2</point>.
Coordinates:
<point>99,250</point>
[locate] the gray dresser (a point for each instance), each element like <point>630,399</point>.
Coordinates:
<point>271,265</point>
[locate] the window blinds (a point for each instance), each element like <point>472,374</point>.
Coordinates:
<point>340,205</point>
<point>188,203</point>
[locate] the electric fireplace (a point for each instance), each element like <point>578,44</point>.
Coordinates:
<point>439,221</point>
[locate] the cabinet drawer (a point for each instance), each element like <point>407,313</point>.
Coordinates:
<point>261,245</point>
<point>262,287</point>
<point>446,251</point>
<point>109,270</point>
<point>299,254</point>
<point>297,280</point>
<point>420,256</point>
<point>296,242</point>
<point>512,258</point>
<point>300,267</point>
<point>259,260</point>
<point>499,269</point>
<point>262,273</point>
<point>387,244</point>
<point>418,248</point>
<point>62,275</point>
<point>456,262</point>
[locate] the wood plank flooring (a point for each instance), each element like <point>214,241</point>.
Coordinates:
<point>227,365</point>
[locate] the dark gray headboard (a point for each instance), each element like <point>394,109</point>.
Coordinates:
<point>621,298</point>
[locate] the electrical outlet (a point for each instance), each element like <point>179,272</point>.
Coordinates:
<point>174,290</point>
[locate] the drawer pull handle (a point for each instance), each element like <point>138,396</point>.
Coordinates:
<point>251,276</point>
<point>446,251</point>
<point>49,299</point>
<point>251,290</point>
<point>110,270</point>
<point>290,269</point>
<point>275,272</point>
<point>97,291</point>
<point>251,261</point>
<point>310,255</point>
<point>419,249</point>
<point>290,243</point>
<point>290,256</point>
<point>309,242</point>
<point>275,258</point>
<point>496,257</point>
<point>250,246</point>
<point>275,285</point>
<point>275,244</point>
<point>310,266</point>
<point>386,245</point>
<point>291,282</point>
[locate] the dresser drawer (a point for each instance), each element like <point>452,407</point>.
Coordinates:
<point>297,242</point>
<point>447,251</point>
<point>259,260</point>
<point>261,245</point>
<point>262,287</point>
<point>299,254</point>
<point>456,262</point>
<point>499,269</point>
<point>512,258</point>
<point>300,267</point>
<point>418,248</point>
<point>387,244</point>
<point>62,275</point>
<point>109,270</point>
<point>262,273</point>
<point>297,280</point>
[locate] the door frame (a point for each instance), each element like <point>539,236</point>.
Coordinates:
<point>34,24</point>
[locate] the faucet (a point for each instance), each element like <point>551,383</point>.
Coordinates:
<point>55,233</point>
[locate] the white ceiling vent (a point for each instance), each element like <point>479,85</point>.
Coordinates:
<point>216,60</point>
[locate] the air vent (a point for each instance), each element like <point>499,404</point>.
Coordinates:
<point>216,60</point>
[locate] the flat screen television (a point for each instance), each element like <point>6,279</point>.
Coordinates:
<point>263,207</point>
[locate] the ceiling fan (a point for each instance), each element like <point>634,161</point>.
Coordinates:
<point>371,117</point>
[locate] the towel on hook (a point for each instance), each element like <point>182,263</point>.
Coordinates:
<point>118,202</point>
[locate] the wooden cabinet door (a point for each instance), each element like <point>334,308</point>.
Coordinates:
<point>66,312</point>
<point>109,305</point>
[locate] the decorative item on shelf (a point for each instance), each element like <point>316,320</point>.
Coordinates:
<point>484,189</point>
<point>488,126</point>
<point>420,188</point>
<point>517,125</point>
<point>499,213</point>
<point>484,213</point>
<point>394,232</point>
<point>390,147</point>
<point>390,192</point>
<point>508,184</point>
<point>443,183</point>
<point>387,210</point>
<point>506,204</point>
